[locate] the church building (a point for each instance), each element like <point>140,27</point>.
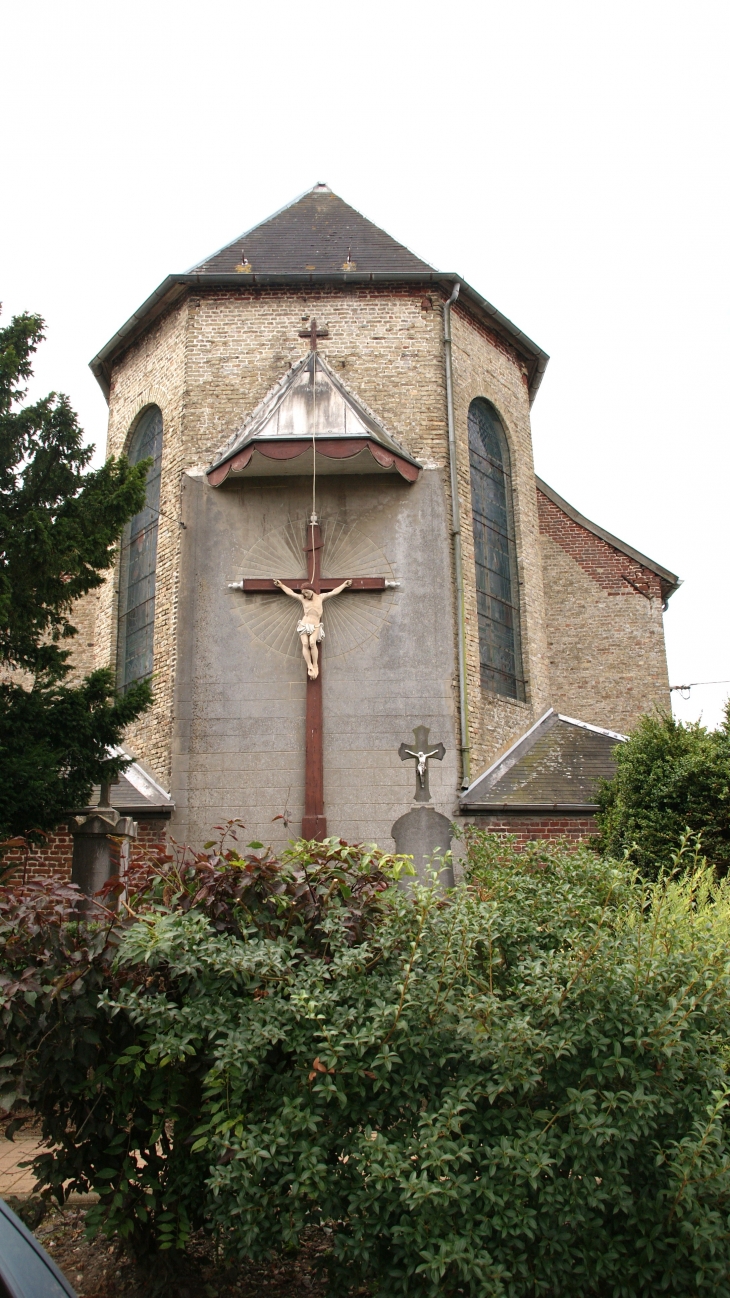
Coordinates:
<point>323,407</point>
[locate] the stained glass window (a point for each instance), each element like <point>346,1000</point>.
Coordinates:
<point>139,561</point>
<point>495,554</point>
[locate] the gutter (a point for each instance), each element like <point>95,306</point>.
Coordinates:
<point>535,808</point>
<point>456,534</point>
<point>174,288</point>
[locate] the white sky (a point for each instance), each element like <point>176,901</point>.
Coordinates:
<point>568,159</point>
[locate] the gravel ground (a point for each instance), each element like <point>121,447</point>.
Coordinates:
<point>98,1269</point>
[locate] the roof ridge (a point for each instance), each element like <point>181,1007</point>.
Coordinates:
<point>575,515</point>
<point>539,771</point>
<point>508,752</point>
<point>271,217</point>
<point>141,776</point>
<point>597,730</point>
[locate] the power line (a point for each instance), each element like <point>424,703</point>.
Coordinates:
<point>693,684</point>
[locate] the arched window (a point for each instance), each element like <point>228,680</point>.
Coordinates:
<point>136,626</point>
<point>495,555</point>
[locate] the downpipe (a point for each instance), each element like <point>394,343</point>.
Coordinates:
<point>464,747</point>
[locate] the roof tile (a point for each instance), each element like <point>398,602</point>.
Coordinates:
<point>559,762</point>
<point>319,233</point>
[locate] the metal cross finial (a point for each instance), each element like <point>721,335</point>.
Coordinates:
<point>422,754</point>
<point>313,332</point>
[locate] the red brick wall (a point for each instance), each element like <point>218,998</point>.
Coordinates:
<point>605,630</point>
<point>53,859</point>
<point>606,565</point>
<point>527,828</point>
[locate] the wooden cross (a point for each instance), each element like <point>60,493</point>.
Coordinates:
<point>314,821</point>
<point>421,753</point>
<point>313,333</point>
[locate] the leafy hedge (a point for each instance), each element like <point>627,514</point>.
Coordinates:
<point>517,1089</point>
<point>670,777</point>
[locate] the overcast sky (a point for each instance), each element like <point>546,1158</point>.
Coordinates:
<point>568,159</point>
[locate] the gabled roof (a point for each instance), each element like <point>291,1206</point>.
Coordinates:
<point>311,405</point>
<point>318,232</point>
<point>136,793</point>
<point>317,240</point>
<point>669,580</point>
<point>555,766</point>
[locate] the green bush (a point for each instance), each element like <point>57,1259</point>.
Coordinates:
<point>120,1124</point>
<point>670,777</point>
<point>516,1089</point>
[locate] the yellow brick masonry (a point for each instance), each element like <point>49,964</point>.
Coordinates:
<point>385,346</point>
<point>210,361</point>
<point>207,364</point>
<point>152,373</point>
<point>607,659</point>
<point>483,368</point>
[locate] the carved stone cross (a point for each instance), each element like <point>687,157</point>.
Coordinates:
<point>314,823</point>
<point>421,753</point>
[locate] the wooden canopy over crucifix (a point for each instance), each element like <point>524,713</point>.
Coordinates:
<point>314,821</point>
<point>311,413</point>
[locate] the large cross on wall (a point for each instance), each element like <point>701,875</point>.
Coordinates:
<point>314,821</point>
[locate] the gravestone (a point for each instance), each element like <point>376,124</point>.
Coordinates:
<point>423,832</point>
<point>101,844</point>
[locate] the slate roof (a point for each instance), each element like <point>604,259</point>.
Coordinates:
<point>287,410</point>
<point>136,794</point>
<point>307,243</point>
<point>318,232</point>
<point>555,766</point>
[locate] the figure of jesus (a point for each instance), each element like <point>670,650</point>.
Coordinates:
<point>309,628</point>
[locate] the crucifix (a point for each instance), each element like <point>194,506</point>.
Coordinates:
<point>421,753</point>
<point>314,822</point>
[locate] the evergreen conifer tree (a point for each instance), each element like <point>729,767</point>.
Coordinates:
<point>59,527</point>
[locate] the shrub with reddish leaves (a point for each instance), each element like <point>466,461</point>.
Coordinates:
<point>116,1126</point>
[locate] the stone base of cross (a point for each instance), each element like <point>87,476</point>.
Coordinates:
<point>314,821</point>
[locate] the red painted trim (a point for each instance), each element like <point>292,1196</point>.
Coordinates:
<point>242,459</point>
<point>331,449</point>
<point>219,475</point>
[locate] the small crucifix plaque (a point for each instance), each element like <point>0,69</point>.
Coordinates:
<point>314,823</point>
<point>421,753</point>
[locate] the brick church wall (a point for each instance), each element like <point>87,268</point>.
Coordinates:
<point>572,830</point>
<point>53,859</point>
<point>207,364</point>
<point>381,342</point>
<point>483,367</point>
<point>152,373</point>
<point>592,645</point>
<point>606,638</point>
<point>210,361</point>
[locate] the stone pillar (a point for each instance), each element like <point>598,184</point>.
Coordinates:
<point>96,855</point>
